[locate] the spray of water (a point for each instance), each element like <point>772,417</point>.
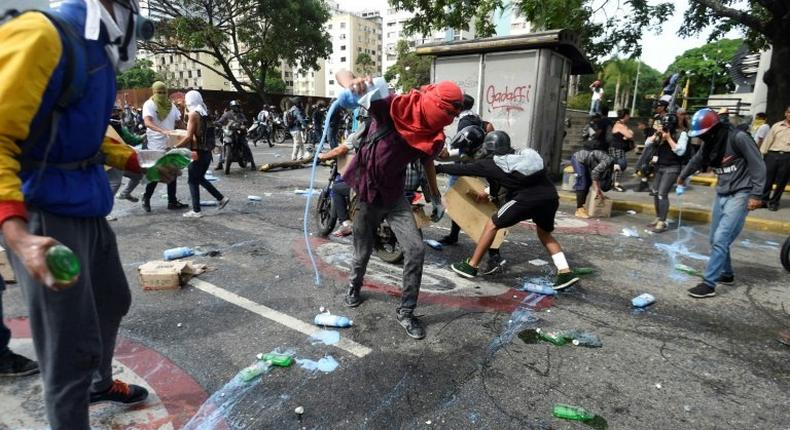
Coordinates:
<point>215,411</point>
<point>521,319</point>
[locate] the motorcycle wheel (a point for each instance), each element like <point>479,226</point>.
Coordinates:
<point>279,135</point>
<point>387,247</point>
<point>228,158</point>
<point>785,254</point>
<point>324,215</point>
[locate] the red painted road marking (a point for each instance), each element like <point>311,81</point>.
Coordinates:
<point>180,395</point>
<point>505,302</point>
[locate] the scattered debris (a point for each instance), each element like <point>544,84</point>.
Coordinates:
<point>326,337</point>
<point>581,271</point>
<point>326,364</point>
<point>434,244</point>
<point>631,212</point>
<point>277,359</point>
<point>176,253</point>
<point>299,411</point>
<point>538,262</point>
<point>167,275</point>
<point>643,300</point>
<point>307,191</point>
<point>179,325</point>
<point>630,232</point>
<point>253,371</point>
<point>583,338</point>
<point>323,309</point>
<point>254,198</point>
<point>572,413</point>
<point>658,386</point>
<point>267,194</point>
<point>688,270</point>
<point>327,319</point>
<point>208,203</point>
<point>539,289</point>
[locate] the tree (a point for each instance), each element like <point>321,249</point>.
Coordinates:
<point>706,67</point>
<point>242,40</point>
<point>619,78</point>
<point>365,66</point>
<point>141,75</point>
<point>410,70</point>
<point>274,82</point>
<point>764,23</point>
<point>621,32</point>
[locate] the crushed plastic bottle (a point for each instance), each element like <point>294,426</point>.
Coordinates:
<point>688,270</point>
<point>176,253</point>
<point>539,289</point>
<point>643,300</point>
<point>279,360</point>
<point>253,371</point>
<point>581,271</point>
<point>583,338</point>
<point>329,320</point>
<point>574,413</point>
<point>552,337</point>
<point>434,244</point>
<point>63,263</point>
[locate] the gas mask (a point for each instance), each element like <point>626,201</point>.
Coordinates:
<point>123,31</point>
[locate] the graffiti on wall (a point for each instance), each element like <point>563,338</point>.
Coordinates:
<point>508,100</point>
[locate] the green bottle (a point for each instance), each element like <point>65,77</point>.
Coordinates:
<point>63,263</point>
<point>553,337</point>
<point>253,371</point>
<point>572,413</point>
<point>580,271</point>
<point>280,360</point>
<point>178,158</point>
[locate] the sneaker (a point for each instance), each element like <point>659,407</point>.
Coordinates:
<point>618,188</point>
<point>129,197</point>
<point>653,224</point>
<point>448,240</point>
<point>701,291</point>
<point>582,213</point>
<point>12,365</point>
<point>192,214</point>
<point>121,392</point>
<point>653,193</point>
<point>111,218</point>
<point>353,298</point>
<point>565,280</point>
<point>726,279</point>
<point>412,325</point>
<point>343,231</point>
<point>643,186</point>
<point>177,205</point>
<point>660,227</point>
<point>464,269</point>
<point>773,207</point>
<point>223,203</point>
<point>146,204</point>
<point>493,265</point>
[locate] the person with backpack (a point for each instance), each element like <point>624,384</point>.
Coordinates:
<point>54,189</point>
<point>161,117</point>
<point>402,129</point>
<point>200,138</point>
<point>740,169</point>
<point>670,157</point>
<point>593,169</point>
<point>296,122</point>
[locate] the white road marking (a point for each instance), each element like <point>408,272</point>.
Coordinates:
<point>276,316</point>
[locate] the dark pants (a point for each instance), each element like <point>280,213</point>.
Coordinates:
<point>74,330</point>
<point>247,153</point>
<point>401,220</point>
<point>5,333</point>
<point>583,182</point>
<point>197,178</point>
<point>666,178</point>
<point>171,191</point>
<point>777,172</point>
<point>341,194</point>
<point>643,164</point>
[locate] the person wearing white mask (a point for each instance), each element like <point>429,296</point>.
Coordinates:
<point>54,189</point>
<point>200,139</point>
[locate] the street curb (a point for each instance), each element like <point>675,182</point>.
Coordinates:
<point>697,215</point>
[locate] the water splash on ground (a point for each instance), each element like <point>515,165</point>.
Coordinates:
<point>214,412</point>
<point>680,248</point>
<point>326,364</point>
<point>326,337</point>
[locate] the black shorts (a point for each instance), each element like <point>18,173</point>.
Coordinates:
<point>541,212</point>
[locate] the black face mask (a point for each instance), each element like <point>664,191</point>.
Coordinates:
<point>714,145</point>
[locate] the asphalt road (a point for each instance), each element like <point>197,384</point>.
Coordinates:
<point>681,364</point>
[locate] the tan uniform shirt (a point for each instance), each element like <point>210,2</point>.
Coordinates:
<point>778,138</point>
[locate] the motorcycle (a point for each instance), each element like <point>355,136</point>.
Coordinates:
<point>233,143</point>
<point>259,131</point>
<point>385,247</point>
<point>279,130</point>
<point>784,255</point>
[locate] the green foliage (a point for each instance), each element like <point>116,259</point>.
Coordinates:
<point>599,37</point>
<point>252,36</point>
<point>580,101</point>
<point>141,75</point>
<point>274,82</point>
<point>365,66</point>
<point>411,70</point>
<point>706,65</point>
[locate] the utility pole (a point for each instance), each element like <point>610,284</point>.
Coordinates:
<point>636,86</point>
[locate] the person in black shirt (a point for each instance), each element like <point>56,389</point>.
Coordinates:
<point>672,146</point>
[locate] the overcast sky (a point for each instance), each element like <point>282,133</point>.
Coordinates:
<point>659,51</point>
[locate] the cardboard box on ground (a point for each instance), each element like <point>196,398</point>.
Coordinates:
<point>598,208</point>
<point>467,212</point>
<point>167,275</point>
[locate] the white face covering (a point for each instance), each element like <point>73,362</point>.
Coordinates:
<point>194,102</point>
<point>117,29</point>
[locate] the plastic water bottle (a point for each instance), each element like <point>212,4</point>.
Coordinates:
<point>569,412</point>
<point>279,360</point>
<point>63,263</point>
<point>539,289</point>
<point>375,91</point>
<point>643,300</point>
<point>434,244</point>
<point>327,319</point>
<point>680,190</point>
<point>176,253</point>
<point>256,369</point>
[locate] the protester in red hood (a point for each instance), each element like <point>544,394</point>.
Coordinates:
<point>402,129</point>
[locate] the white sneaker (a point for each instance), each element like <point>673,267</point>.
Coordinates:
<point>223,202</point>
<point>192,214</point>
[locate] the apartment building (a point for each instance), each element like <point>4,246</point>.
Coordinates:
<point>180,72</point>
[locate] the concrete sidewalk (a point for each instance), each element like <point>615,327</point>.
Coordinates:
<point>696,203</point>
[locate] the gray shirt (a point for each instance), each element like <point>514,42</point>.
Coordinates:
<point>742,167</point>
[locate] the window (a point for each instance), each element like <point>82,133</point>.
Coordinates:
<point>331,93</point>
<point>342,59</point>
<point>181,75</point>
<point>329,27</point>
<point>342,25</point>
<point>171,59</point>
<point>331,82</point>
<point>342,47</point>
<point>199,72</point>
<point>343,36</point>
<point>359,49</point>
<point>391,24</point>
<point>190,73</point>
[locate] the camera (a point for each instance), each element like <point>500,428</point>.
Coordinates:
<point>669,123</point>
